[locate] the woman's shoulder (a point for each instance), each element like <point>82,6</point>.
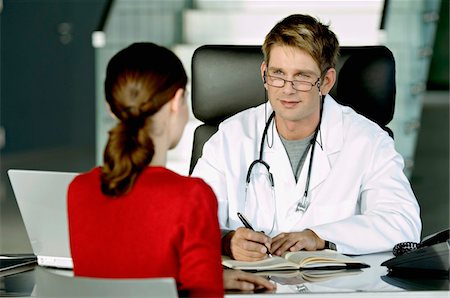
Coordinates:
<point>85,184</point>
<point>166,176</point>
<point>178,186</point>
<point>90,176</point>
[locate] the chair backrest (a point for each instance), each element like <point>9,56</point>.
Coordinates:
<point>226,80</point>
<point>62,283</point>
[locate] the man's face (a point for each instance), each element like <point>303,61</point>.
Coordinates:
<point>289,104</point>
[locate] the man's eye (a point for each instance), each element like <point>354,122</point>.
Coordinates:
<point>302,77</point>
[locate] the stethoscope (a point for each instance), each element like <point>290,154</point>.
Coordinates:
<point>304,202</point>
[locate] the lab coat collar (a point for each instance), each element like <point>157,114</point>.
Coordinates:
<point>331,139</point>
<point>331,128</point>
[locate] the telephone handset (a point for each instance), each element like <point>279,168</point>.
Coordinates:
<point>430,255</point>
<point>436,238</point>
<point>432,239</point>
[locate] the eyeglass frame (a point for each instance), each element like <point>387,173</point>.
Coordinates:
<point>269,77</point>
<point>317,82</point>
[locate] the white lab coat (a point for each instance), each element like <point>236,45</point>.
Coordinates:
<point>360,197</point>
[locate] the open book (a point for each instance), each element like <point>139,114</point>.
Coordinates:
<point>320,259</point>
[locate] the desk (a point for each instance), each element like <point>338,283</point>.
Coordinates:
<point>369,282</point>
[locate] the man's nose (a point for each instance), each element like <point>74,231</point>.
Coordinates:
<point>288,87</point>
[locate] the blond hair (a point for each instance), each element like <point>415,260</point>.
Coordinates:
<point>308,34</point>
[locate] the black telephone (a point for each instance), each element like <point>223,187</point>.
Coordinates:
<point>430,256</point>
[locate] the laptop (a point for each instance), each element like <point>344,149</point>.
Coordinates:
<point>42,200</point>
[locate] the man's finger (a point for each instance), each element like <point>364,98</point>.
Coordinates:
<point>253,236</point>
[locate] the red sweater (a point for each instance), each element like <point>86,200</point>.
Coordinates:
<point>166,226</point>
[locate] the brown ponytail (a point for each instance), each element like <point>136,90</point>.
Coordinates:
<point>140,79</point>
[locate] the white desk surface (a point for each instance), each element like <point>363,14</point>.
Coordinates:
<point>370,282</point>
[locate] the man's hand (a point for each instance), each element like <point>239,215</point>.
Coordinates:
<point>246,245</point>
<point>295,241</point>
<point>244,281</point>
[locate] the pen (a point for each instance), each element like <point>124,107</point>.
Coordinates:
<point>248,226</point>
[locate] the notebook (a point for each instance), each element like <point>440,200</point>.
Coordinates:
<point>42,200</point>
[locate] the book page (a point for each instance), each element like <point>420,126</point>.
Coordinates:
<point>275,262</point>
<point>319,258</point>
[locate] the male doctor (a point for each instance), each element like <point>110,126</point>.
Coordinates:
<point>305,171</point>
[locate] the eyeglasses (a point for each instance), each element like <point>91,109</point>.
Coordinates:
<point>297,85</point>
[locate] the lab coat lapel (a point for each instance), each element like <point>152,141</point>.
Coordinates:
<point>329,142</point>
<point>320,167</point>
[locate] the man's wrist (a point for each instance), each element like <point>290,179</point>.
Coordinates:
<point>330,245</point>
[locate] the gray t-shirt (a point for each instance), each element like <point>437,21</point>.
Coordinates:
<point>297,150</point>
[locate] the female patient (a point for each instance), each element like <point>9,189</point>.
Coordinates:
<point>132,217</point>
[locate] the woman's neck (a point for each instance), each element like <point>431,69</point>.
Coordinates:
<point>160,155</point>
<point>159,160</point>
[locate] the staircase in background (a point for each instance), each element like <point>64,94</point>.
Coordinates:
<point>183,25</point>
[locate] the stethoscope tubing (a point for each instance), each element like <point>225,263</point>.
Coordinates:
<point>267,166</point>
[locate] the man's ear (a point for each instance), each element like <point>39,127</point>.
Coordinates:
<point>263,72</point>
<point>328,81</point>
<point>177,100</point>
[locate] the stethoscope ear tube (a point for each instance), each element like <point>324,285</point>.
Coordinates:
<point>261,147</point>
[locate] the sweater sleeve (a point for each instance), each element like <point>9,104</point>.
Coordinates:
<point>200,260</point>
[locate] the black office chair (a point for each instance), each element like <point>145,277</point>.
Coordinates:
<point>226,80</point>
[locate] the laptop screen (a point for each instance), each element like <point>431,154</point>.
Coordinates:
<point>42,200</point>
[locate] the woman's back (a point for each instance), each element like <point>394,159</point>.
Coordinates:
<point>166,226</point>
<point>131,217</point>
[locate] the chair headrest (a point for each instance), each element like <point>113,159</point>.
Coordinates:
<point>226,79</point>
<point>366,82</point>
